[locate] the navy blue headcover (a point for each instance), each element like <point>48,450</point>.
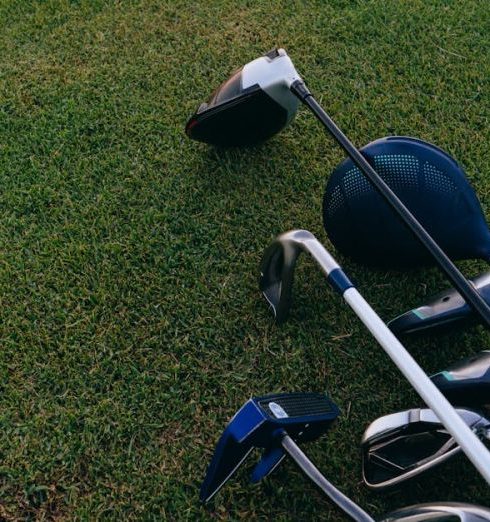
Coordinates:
<point>433,187</point>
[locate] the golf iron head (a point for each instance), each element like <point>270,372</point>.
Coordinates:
<point>278,264</point>
<point>402,445</point>
<point>249,107</point>
<point>261,423</point>
<point>446,309</point>
<point>429,182</point>
<point>439,512</point>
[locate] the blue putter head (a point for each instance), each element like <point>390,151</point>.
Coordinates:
<point>467,382</point>
<point>259,423</point>
<point>432,186</point>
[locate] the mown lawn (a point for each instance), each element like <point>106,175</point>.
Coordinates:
<point>131,326</point>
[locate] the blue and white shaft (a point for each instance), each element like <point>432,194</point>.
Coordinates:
<point>430,394</point>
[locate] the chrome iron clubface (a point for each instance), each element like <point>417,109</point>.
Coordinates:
<point>277,271</point>
<point>400,446</point>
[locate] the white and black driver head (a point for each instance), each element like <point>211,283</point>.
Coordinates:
<point>253,104</point>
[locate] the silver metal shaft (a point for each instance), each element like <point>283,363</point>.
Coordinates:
<point>314,474</point>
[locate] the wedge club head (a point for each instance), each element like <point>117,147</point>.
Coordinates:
<point>278,264</point>
<point>249,107</point>
<point>402,445</point>
<point>259,424</point>
<point>443,310</point>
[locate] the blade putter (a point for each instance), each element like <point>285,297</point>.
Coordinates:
<point>260,99</point>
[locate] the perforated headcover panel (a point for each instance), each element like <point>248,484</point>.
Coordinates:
<point>429,182</point>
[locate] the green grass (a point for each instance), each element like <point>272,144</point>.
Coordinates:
<point>131,326</point>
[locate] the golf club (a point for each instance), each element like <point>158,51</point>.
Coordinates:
<point>402,445</point>
<point>440,512</point>
<point>271,423</point>
<point>277,423</point>
<point>399,446</point>
<point>304,416</point>
<point>445,309</point>
<point>277,270</point>
<point>259,100</point>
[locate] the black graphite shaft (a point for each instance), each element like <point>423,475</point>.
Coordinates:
<point>462,285</point>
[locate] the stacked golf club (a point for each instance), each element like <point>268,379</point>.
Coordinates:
<point>399,183</point>
<point>276,424</point>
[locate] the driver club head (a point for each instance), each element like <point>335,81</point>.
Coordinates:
<point>252,105</point>
<point>402,445</point>
<point>258,424</point>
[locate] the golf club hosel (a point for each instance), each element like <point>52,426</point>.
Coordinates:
<point>302,239</point>
<point>300,90</point>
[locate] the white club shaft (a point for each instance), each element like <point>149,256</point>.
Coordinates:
<point>435,400</point>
